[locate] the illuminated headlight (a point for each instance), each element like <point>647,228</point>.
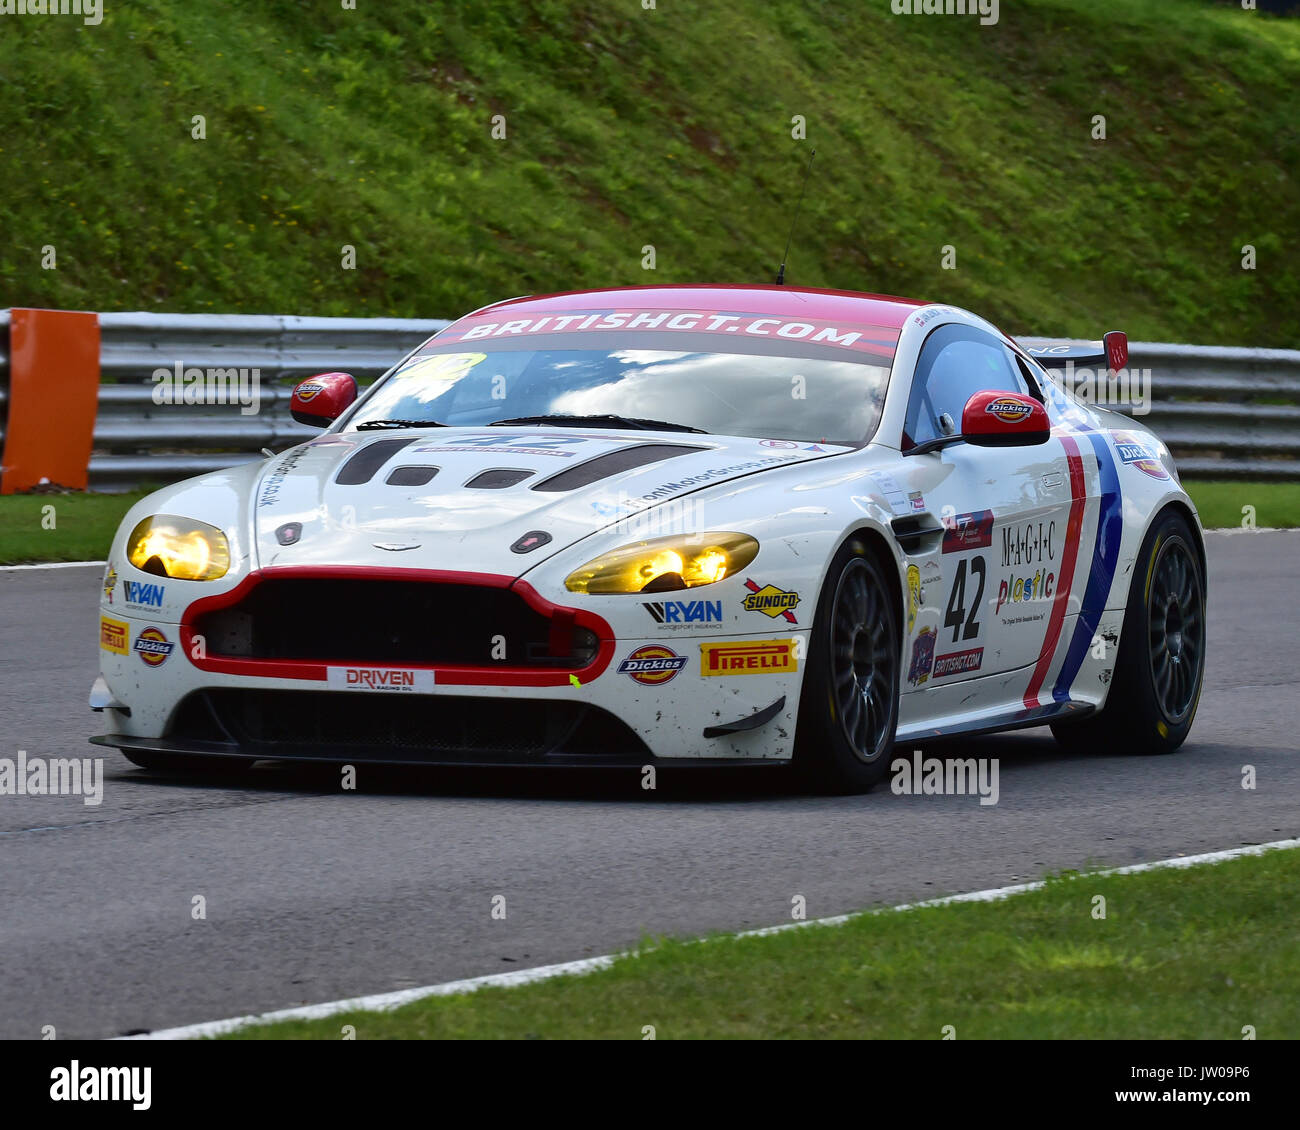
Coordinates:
<point>665,564</point>
<point>180,548</point>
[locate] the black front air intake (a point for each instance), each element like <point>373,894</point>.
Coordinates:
<point>348,620</point>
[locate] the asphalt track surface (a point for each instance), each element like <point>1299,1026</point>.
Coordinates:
<point>313,894</point>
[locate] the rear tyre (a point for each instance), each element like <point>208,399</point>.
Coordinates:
<point>184,763</point>
<point>848,710</point>
<point>1161,663</point>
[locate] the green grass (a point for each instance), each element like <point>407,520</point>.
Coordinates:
<point>84,523</point>
<point>83,526</point>
<point>1229,503</point>
<point>671,127</point>
<point>1181,954</point>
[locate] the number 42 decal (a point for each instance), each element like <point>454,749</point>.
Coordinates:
<point>956,613</point>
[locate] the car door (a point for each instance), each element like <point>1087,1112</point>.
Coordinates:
<point>988,588</point>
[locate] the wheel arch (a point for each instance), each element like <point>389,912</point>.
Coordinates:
<point>874,540</point>
<point>1183,509</point>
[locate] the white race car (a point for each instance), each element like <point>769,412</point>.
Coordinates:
<point>686,525</point>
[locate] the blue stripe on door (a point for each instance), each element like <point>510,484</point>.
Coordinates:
<point>1105,556</point>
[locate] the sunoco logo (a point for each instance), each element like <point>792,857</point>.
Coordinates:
<point>652,665</point>
<point>771,601</point>
<point>153,647</point>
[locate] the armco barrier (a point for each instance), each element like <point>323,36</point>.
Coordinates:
<point>1225,412</point>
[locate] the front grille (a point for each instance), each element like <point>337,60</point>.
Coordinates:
<point>402,728</point>
<point>354,621</point>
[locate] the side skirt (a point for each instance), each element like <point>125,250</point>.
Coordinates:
<point>1020,719</point>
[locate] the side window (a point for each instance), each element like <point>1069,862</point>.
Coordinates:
<point>955,363</point>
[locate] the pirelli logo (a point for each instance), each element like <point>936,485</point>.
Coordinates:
<point>112,635</point>
<point>750,657</point>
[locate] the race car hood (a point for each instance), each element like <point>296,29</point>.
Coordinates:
<point>457,498</point>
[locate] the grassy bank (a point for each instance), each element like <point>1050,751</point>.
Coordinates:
<point>60,527</point>
<point>671,127</point>
<point>1194,953</point>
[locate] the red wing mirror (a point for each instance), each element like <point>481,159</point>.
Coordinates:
<point>321,399</point>
<point>1004,419</point>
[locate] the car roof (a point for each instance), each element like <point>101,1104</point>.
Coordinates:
<point>882,310</point>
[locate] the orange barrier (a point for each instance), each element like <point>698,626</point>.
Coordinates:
<point>53,394</point>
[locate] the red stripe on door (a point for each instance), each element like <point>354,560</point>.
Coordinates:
<point>1073,528</point>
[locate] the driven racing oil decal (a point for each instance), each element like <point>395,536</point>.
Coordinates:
<point>386,679</point>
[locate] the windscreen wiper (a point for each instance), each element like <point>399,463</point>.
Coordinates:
<point>601,421</point>
<point>369,425</point>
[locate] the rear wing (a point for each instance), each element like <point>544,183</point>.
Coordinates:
<point>1111,351</point>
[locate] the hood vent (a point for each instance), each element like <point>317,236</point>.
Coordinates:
<point>410,476</point>
<point>362,466</point>
<point>498,478</point>
<point>603,466</point>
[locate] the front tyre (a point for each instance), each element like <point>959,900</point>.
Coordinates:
<point>1161,663</point>
<point>848,711</point>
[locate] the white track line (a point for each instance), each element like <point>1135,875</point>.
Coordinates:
<point>55,565</point>
<point>384,1002</point>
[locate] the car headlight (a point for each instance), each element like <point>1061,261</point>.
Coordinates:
<point>665,564</point>
<point>180,548</point>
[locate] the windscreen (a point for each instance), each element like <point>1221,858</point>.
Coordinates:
<point>777,392</point>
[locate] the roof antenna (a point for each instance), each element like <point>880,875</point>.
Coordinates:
<point>780,275</point>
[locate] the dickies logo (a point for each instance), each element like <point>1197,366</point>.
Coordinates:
<point>750,657</point>
<point>112,635</point>
<point>1008,410</point>
<point>153,647</point>
<point>652,665</point>
<point>1133,453</point>
<point>308,391</point>
<point>771,601</point>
